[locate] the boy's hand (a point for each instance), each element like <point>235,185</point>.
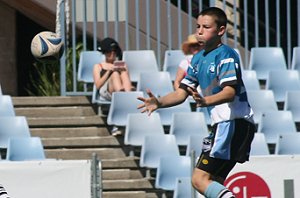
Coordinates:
<point>200,101</point>
<point>150,104</point>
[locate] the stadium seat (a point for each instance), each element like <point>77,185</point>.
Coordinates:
<point>122,104</point>
<point>265,59</point>
<point>281,82</point>
<point>170,168</point>
<point>159,83</point>
<point>261,101</point>
<point>167,113</point>
<point>24,149</point>
<point>183,187</point>
<point>97,99</point>
<point>195,144</point>
<point>206,114</point>
<point>87,60</point>
<point>292,103</point>
<point>274,123</point>
<point>172,60</point>
<point>139,61</point>
<point>185,124</point>
<point>288,144</point>
<point>139,125</point>
<point>12,126</point>
<point>259,145</point>
<point>151,152</point>
<point>6,106</point>
<point>296,59</point>
<point>250,80</point>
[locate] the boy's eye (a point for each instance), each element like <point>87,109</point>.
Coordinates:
<point>198,26</point>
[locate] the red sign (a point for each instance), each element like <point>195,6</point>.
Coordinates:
<point>247,185</point>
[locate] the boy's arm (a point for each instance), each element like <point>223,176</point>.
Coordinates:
<point>152,103</point>
<point>226,95</point>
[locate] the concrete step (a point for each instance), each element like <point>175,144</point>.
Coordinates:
<point>46,101</point>
<point>84,153</point>
<point>124,194</point>
<point>124,162</point>
<point>132,184</point>
<point>65,121</point>
<point>72,142</point>
<point>69,111</point>
<point>118,174</point>
<point>91,131</point>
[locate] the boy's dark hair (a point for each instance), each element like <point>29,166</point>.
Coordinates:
<point>219,14</point>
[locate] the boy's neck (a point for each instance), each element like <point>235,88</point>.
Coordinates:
<point>212,47</point>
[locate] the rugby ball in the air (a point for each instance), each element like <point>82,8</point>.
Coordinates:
<point>46,46</point>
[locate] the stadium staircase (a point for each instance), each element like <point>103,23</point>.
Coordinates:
<point>71,130</point>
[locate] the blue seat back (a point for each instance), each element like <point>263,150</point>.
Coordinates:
<point>151,152</point>
<point>122,104</point>
<point>12,126</point>
<point>6,106</point>
<point>139,61</point>
<point>265,59</point>
<point>139,125</point>
<point>25,148</point>
<point>87,60</point>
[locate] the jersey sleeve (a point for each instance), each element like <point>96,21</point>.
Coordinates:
<point>228,69</point>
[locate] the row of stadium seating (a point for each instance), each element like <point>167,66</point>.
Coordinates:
<point>16,142</point>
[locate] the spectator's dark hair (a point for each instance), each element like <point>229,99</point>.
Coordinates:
<point>108,44</point>
<point>217,13</point>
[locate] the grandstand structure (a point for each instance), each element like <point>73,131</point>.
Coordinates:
<point>72,127</point>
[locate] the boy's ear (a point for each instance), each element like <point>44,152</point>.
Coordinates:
<point>222,30</point>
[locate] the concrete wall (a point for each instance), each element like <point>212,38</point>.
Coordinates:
<point>8,69</point>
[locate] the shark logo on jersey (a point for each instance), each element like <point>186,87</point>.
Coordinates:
<point>211,68</point>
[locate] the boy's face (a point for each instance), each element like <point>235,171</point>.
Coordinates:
<point>208,33</point>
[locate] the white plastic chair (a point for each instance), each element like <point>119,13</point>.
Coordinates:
<point>288,144</point>
<point>274,123</point>
<point>172,60</point>
<point>170,168</point>
<point>25,148</point>
<point>87,60</point>
<point>261,101</point>
<point>139,61</point>
<point>139,125</point>
<point>159,83</point>
<point>296,59</point>
<point>6,106</point>
<point>259,145</point>
<point>122,104</point>
<point>281,82</point>
<point>185,124</point>
<point>292,103</point>
<point>97,99</point>
<point>167,113</point>
<point>12,126</point>
<point>151,152</point>
<point>265,59</point>
<point>250,80</point>
<point>195,143</point>
<point>183,187</point>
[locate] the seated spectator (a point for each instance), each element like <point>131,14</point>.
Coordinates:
<point>189,48</point>
<point>107,77</point>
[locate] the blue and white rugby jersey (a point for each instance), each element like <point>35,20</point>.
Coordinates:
<point>215,70</point>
